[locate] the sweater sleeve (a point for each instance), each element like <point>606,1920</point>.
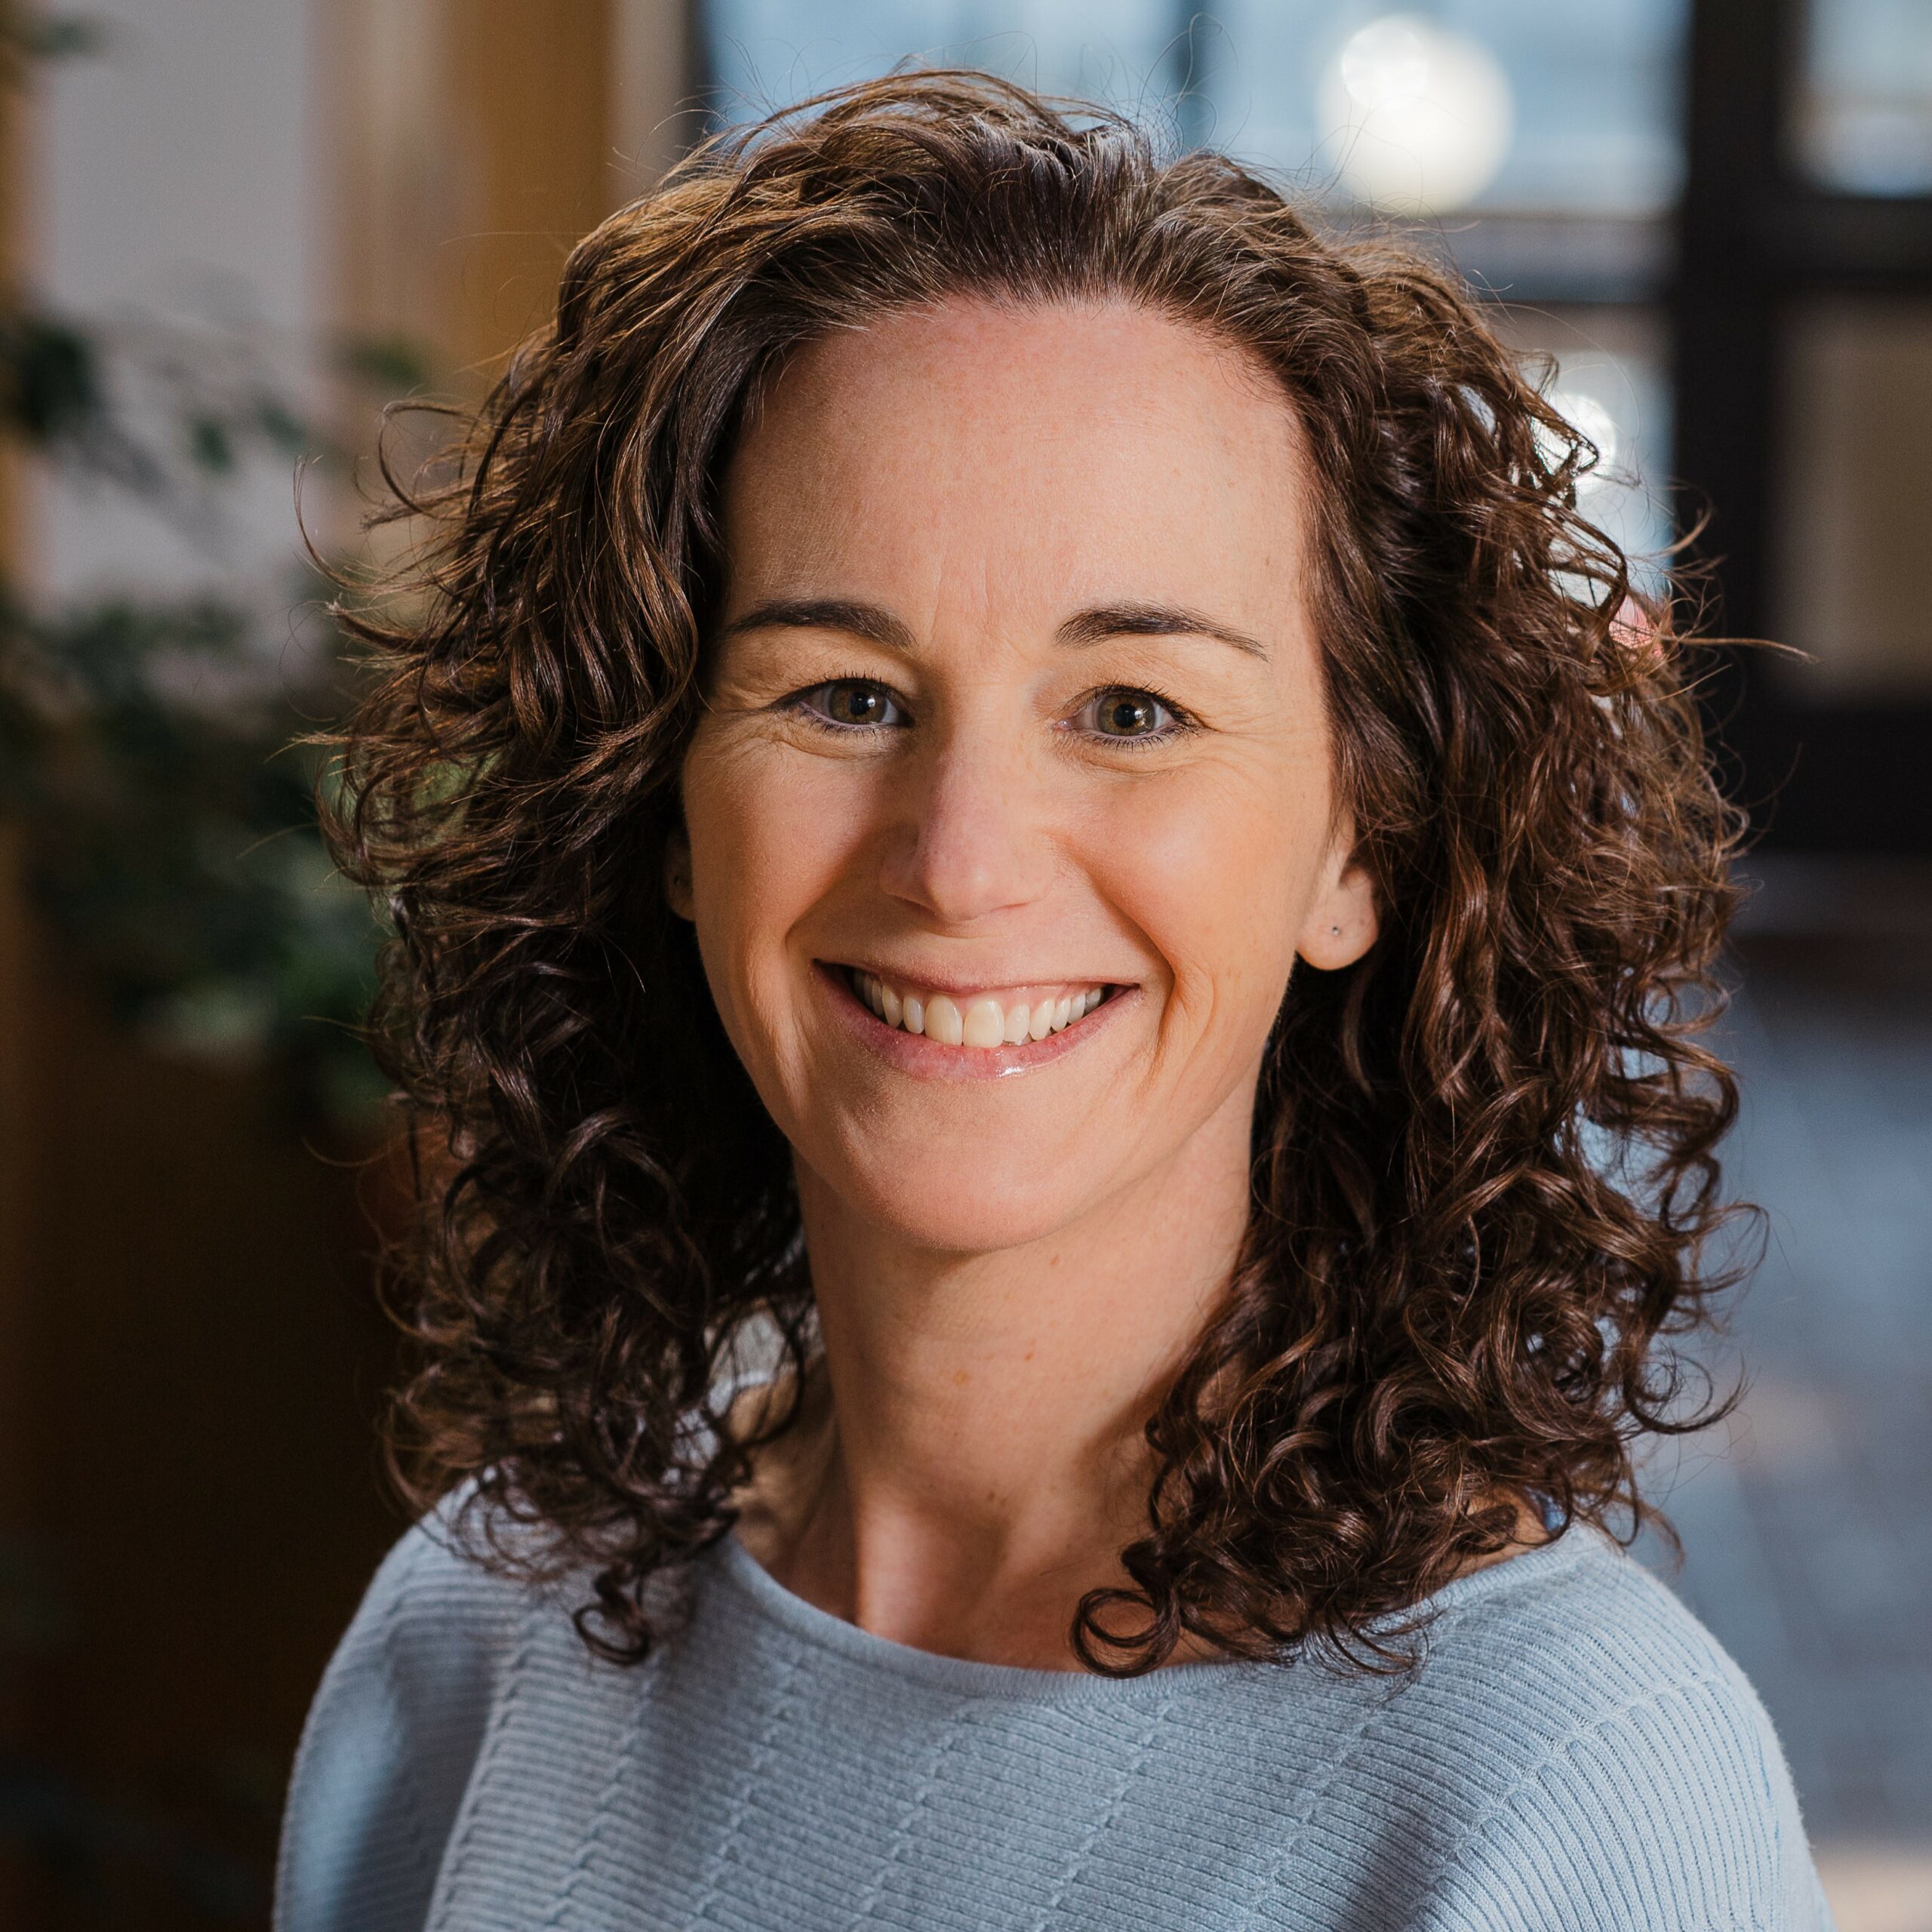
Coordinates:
<point>1674,1813</point>
<point>391,1741</point>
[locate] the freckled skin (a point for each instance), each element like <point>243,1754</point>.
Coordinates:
<point>982,474</point>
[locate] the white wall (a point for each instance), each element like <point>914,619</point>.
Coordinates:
<point>176,171</point>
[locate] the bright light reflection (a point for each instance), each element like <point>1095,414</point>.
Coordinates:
<point>1589,419</point>
<point>1420,118</point>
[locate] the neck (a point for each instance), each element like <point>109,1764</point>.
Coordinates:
<point>974,1462</point>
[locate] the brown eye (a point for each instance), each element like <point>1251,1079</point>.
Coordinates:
<point>853,704</point>
<point>1125,714</point>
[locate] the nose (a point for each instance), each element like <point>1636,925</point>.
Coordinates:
<point>972,835</point>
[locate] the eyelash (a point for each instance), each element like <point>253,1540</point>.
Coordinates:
<point>1181,720</point>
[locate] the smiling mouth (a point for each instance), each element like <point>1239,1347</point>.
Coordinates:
<point>982,1020</point>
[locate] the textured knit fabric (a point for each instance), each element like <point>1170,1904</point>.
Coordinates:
<point>1577,1751</point>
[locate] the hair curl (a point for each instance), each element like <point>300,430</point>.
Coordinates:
<point>1485,1180</point>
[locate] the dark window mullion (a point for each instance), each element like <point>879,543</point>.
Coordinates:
<point>1751,237</point>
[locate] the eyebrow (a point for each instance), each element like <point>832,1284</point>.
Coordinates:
<point>1107,620</point>
<point>1094,626</point>
<point>826,613</point>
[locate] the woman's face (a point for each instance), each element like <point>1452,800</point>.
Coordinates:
<point>1015,700</point>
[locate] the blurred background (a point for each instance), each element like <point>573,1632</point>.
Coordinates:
<point>230,230</point>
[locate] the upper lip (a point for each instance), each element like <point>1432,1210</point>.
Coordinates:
<point>958,989</point>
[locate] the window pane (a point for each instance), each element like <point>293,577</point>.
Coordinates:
<point>1864,104</point>
<point>1610,383</point>
<point>1856,418</point>
<point>1515,105</point>
<point>766,52</point>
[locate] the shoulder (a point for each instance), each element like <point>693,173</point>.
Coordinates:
<point>396,1729</point>
<point>435,1625</point>
<point>1600,1760</point>
<point>1581,1610</point>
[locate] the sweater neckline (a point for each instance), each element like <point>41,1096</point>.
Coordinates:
<point>775,1604</point>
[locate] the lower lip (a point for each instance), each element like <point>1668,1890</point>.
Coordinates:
<point>927,1060</point>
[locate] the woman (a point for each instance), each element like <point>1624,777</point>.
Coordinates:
<point>1052,901</point>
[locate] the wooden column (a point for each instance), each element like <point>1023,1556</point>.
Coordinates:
<point>478,140</point>
<point>655,106</point>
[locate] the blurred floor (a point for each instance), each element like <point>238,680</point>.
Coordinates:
<point>1807,1521</point>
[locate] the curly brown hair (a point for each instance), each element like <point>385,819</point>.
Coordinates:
<point>1483,1175</point>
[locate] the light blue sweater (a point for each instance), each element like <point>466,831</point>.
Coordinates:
<point>1577,1751</point>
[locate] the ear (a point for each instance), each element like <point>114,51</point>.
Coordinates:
<point>1342,922</point>
<point>677,872</point>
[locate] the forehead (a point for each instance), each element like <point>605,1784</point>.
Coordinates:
<point>1096,449</point>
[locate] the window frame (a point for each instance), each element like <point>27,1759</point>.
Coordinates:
<point>1754,238</point>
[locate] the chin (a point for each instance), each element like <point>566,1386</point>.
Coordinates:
<point>956,1198</point>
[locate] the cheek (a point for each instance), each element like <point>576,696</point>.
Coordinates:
<point>1215,870</point>
<point>770,834</point>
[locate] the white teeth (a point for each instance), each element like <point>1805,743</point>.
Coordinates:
<point>985,1023</point>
